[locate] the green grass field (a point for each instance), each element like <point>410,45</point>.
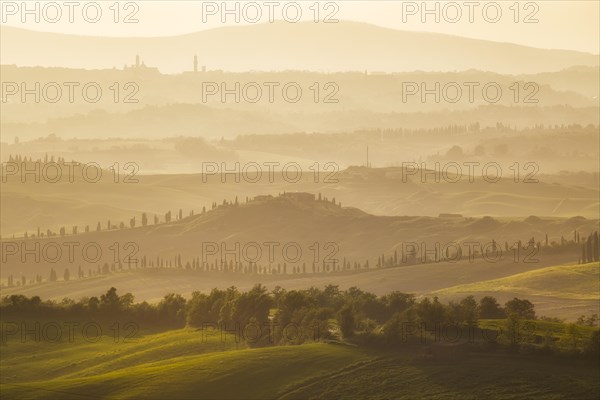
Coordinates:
<point>180,362</point>
<point>184,364</point>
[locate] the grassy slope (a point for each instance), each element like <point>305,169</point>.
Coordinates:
<point>181,365</point>
<point>579,282</point>
<point>176,362</point>
<point>41,360</point>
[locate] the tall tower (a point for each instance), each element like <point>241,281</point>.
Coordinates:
<point>137,61</point>
<point>195,63</point>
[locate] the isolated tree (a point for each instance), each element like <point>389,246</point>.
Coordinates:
<point>110,300</point>
<point>454,152</point>
<point>592,346</point>
<point>489,308</point>
<point>468,310</point>
<point>590,248</point>
<point>67,275</point>
<point>595,247</point>
<point>346,321</point>
<point>126,301</point>
<point>431,312</point>
<point>93,302</point>
<point>521,308</point>
<point>571,337</point>
<point>171,309</point>
<point>144,219</point>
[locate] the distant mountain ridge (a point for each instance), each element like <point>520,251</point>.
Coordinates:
<point>344,46</point>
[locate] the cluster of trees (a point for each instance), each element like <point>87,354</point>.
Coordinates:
<point>23,281</point>
<point>314,314</point>
<point>18,158</point>
<point>584,320</point>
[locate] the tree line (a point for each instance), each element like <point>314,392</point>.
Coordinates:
<point>589,253</point>
<point>315,315</point>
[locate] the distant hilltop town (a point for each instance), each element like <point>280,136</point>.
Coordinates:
<point>141,65</point>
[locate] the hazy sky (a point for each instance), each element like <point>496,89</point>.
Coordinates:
<point>551,24</point>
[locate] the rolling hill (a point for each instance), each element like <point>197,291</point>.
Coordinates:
<point>297,231</point>
<point>567,291</point>
<point>371,48</point>
<point>305,229</point>
<point>377,191</point>
<point>176,364</point>
<point>577,282</point>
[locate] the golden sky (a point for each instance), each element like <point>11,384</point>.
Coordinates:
<point>551,24</point>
